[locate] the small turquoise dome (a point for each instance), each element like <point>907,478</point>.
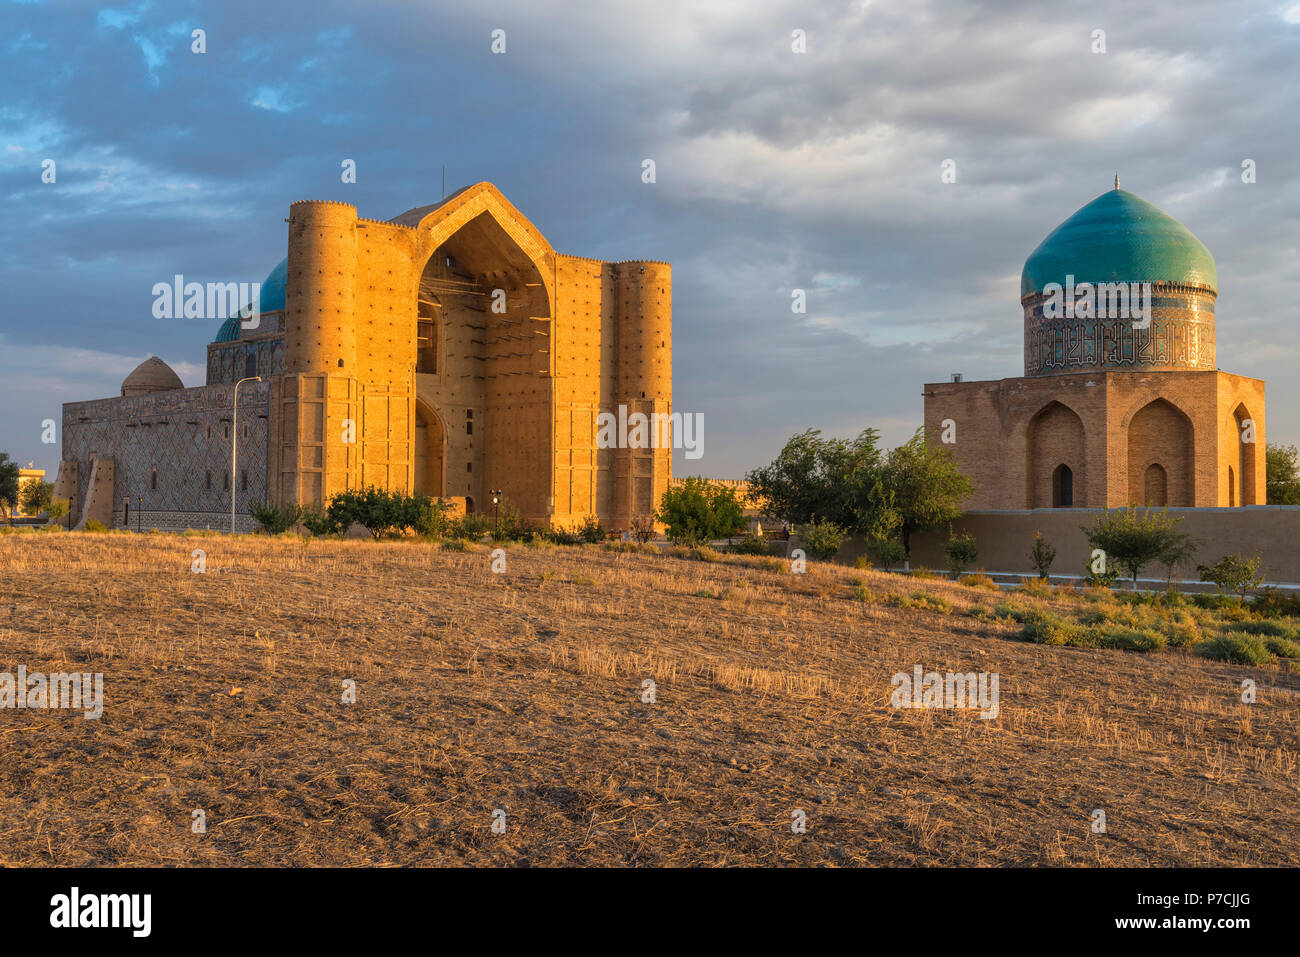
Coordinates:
<point>270,300</point>
<point>1119,237</point>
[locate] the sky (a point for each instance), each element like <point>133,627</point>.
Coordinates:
<point>775,170</point>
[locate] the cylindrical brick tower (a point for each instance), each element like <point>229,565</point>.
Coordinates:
<point>320,329</point>
<point>645,384</point>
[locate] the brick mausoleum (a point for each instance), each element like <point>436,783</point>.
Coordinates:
<point>449,351</point>
<point>1111,411</point>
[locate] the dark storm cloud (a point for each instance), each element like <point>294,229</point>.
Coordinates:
<point>775,171</point>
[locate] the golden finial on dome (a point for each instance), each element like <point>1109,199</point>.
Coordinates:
<point>1117,179</point>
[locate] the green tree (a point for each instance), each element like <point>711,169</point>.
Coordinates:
<point>924,486</point>
<point>1132,538</point>
<point>1233,574</point>
<point>822,541</point>
<point>8,484</point>
<point>1042,555</point>
<point>699,511</point>
<point>816,480</point>
<point>275,519</point>
<point>34,497</point>
<point>1281,475</point>
<point>961,552</point>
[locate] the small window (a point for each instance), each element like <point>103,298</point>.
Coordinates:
<point>340,363</point>
<point>243,480</point>
<point>469,466</point>
<point>225,481</point>
<point>209,433</point>
<point>207,479</point>
<point>250,366</point>
<point>469,428</point>
<point>153,479</point>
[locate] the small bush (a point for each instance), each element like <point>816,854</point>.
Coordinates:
<point>94,526</point>
<point>317,522</point>
<point>699,511</point>
<point>822,540</point>
<point>863,594</point>
<point>750,544</point>
<point>1272,603</point>
<point>1237,648</point>
<point>922,572</point>
<point>1283,647</point>
<point>961,553</point>
<point>1044,628</point>
<point>1233,574</point>
<point>1272,629</point>
<point>1131,639</point>
<point>980,580</point>
<point>1042,555</point>
<point>920,601</point>
<point>1034,587</point>
<point>275,519</point>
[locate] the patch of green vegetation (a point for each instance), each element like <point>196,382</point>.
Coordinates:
<point>1237,648</point>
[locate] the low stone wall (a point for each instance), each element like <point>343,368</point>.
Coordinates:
<point>181,521</point>
<point>1004,539</point>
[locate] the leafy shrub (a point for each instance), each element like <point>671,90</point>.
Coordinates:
<point>1131,639</point>
<point>1237,648</point>
<point>822,540</point>
<point>1272,603</point>
<point>58,509</point>
<point>429,517</point>
<point>922,572</point>
<point>961,553</point>
<point>1233,574</point>
<point>1042,555</point>
<point>863,594</point>
<point>887,552</point>
<point>275,519</point>
<point>455,545</point>
<point>94,526</point>
<point>1132,538</point>
<point>1283,647</point>
<point>698,511</point>
<point>1034,587</point>
<point>1272,629</point>
<point>1044,628</point>
<point>980,580</point>
<point>591,531</point>
<point>922,602</point>
<point>750,544</point>
<point>317,522</point>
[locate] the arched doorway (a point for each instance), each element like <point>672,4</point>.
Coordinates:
<point>1055,441</point>
<point>1160,434</point>
<point>430,442</point>
<point>1155,486</point>
<point>1063,487</point>
<point>1243,489</point>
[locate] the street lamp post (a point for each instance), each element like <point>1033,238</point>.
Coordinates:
<point>234,443</point>
<point>496,510</point>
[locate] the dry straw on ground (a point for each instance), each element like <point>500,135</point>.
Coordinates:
<point>522,691</point>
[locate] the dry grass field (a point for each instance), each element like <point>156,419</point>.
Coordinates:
<point>522,691</point>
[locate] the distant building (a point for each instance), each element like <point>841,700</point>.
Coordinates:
<point>448,351</point>
<point>1117,405</point>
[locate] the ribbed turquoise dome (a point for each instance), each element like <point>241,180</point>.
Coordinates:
<point>271,300</point>
<point>1119,237</point>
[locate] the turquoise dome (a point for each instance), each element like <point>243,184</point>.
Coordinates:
<point>271,300</point>
<point>1119,237</point>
